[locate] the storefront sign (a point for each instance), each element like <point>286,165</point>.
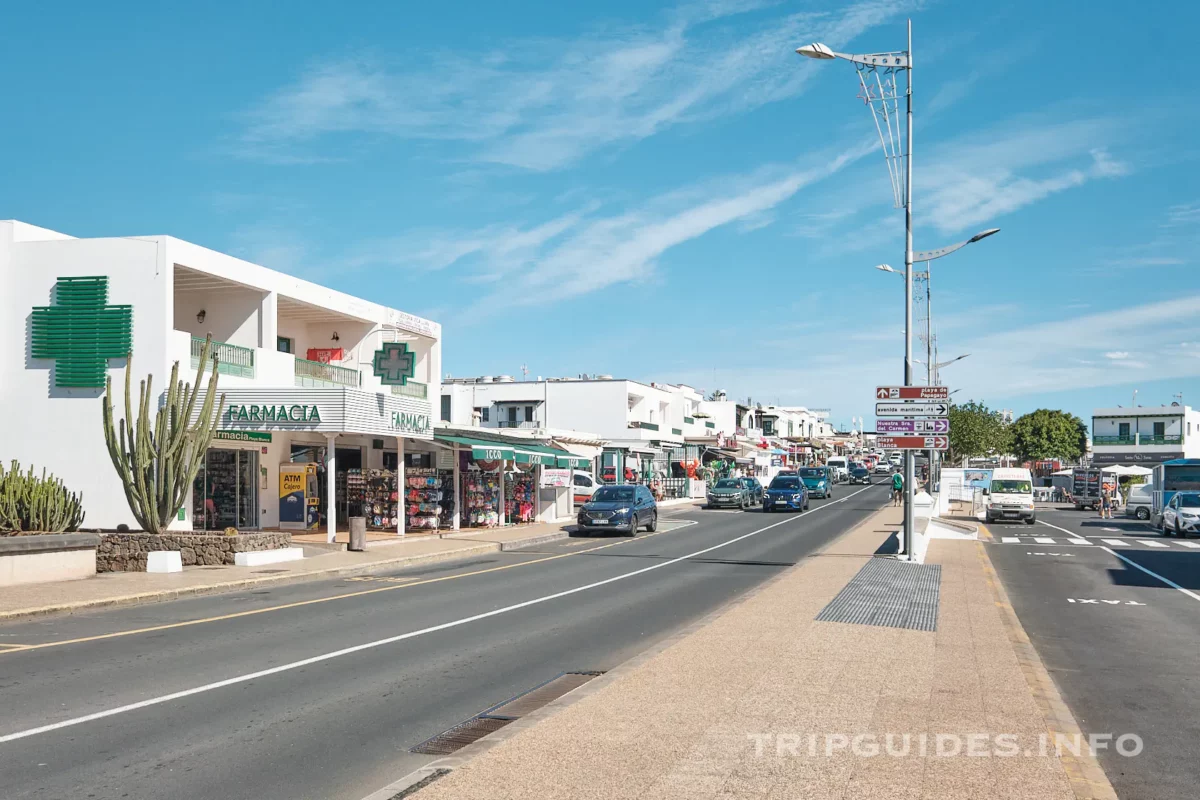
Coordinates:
<point>410,422</point>
<point>326,355</point>
<point>559,478</point>
<point>279,413</point>
<point>394,364</point>
<point>81,332</point>
<point>242,436</point>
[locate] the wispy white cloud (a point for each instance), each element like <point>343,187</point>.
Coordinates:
<point>543,104</point>
<point>1184,214</point>
<point>1117,355</point>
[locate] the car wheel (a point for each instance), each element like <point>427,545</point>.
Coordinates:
<point>652,525</point>
<point>766,509</point>
<point>1179,534</point>
<point>634,524</point>
<point>1030,521</point>
<point>1143,513</point>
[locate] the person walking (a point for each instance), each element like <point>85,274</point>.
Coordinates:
<point>897,488</point>
<point>1105,504</point>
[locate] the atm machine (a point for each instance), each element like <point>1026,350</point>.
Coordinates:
<point>299,498</point>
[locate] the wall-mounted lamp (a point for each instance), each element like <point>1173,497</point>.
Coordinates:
<point>200,316</point>
<point>335,337</point>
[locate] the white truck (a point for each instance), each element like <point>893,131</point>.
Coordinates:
<point>839,466</point>
<point>1010,496</point>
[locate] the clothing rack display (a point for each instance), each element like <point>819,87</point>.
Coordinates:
<point>481,492</point>
<point>446,517</point>
<point>423,497</point>
<point>519,497</point>
<point>380,501</point>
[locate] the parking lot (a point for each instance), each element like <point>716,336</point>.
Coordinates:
<point>1113,609</point>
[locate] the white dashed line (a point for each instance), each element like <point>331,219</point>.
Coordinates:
<point>1043,540</point>
<point>1117,542</point>
<point>1151,543</point>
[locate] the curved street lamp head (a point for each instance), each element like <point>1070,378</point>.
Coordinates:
<point>886,268</point>
<point>815,50</point>
<point>982,235</point>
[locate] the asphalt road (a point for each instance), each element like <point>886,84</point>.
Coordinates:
<point>323,695</point>
<point>1120,643</point>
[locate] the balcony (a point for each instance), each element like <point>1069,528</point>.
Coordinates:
<point>1113,440</point>
<point>1147,438</point>
<point>513,423</point>
<point>689,420</point>
<point>231,359</point>
<point>412,389</point>
<point>649,426</point>
<point>315,373</point>
<point>677,431</point>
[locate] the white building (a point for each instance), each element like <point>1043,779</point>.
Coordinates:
<point>1145,435</point>
<point>297,368</point>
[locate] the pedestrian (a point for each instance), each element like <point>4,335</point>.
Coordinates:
<point>1105,504</point>
<point>897,488</point>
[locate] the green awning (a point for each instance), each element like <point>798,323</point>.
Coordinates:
<point>574,462</point>
<point>527,454</point>
<point>481,448</point>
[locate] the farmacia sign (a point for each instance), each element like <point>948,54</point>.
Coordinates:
<point>279,413</point>
<point>412,423</point>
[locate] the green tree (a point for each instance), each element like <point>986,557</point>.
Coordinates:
<point>975,431</point>
<point>1048,433</point>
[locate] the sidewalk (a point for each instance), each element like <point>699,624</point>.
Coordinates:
<point>127,588</point>
<point>727,708</point>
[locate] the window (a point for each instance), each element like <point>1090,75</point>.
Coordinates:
<point>283,344</point>
<point>1160,429</point>
<point>445,408</point>
<point>582,480</point>
<point>1123,430</point>
<point>484,412</point>
<point>529,413</point>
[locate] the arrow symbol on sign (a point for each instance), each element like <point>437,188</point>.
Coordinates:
<point>882,393</point>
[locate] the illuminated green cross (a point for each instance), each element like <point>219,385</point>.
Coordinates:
<point>81,332</point>
<point>394,364</point>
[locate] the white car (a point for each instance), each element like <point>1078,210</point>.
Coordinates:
<point>583,486</point>
<point>1182,515</point>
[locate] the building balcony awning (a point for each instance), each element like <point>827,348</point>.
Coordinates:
<point>481,448</point>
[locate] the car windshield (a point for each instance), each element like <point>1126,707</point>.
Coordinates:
<point>729,483</point>
<point>1189,500</point>
<point>785,483</point>
<point>812,472</point>
<point>859,469</point>
<point>1011,487</point>
<point>614,494</point>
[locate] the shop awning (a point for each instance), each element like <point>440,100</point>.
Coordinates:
<point>481,448</point>
<point>537,454</point>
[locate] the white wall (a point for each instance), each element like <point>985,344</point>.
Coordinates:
<point>230,316</point>
<point>60,429</point>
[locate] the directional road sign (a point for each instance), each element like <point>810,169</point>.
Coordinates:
<point>921,409</point>
<point>913,442</point>
<point>912,393</point>
<point>939,425</point>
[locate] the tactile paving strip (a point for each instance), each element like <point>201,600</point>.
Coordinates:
<point>893,594</point>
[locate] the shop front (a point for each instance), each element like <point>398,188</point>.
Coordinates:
<point>308,459</point>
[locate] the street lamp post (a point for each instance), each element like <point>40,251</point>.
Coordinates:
<point>883,102</point>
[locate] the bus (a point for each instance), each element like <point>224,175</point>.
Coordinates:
<point>1179,475</point>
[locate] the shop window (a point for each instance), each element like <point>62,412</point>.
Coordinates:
<point>225,492</point>
<point>419,460</point>
<point>284,345</point>
<point>390,460</point>
<point>445,408</point>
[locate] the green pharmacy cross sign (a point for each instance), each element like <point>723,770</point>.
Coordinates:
<point>394,364</point>
<point>81,332</point>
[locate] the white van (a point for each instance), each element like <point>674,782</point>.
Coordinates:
<point>1010,495</point>
<point>1140,502</point>
<point>840,468</point>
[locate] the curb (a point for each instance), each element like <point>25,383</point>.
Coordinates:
<point>278,580</point>
<point>411,783</point>
<point>1084,772</point>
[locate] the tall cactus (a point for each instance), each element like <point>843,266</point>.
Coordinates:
<point>29,503</point>
<point>157,467</point>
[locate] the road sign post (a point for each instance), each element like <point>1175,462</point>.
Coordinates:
<point>921,408</point>
<point>912,393</point>
<point>937,425</point>
<point>913,442</point>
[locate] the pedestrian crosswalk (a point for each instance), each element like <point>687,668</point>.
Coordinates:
<point>1154,544</point>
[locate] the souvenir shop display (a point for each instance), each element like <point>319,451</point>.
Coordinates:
<point>380,499</point>
<point>351,489</point>
<point>481,495</point>
<point>519,497</point>
<point>423,496</point>
<point>446,517</point>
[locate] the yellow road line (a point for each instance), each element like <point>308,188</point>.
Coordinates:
<point>298,604</point>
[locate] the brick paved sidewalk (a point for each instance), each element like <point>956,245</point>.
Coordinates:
<point>726,710</point>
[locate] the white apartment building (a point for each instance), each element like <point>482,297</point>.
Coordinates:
<point>1145,435</point>
<point>641,422</point>
<point>310,375</point>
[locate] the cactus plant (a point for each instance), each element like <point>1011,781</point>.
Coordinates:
<point>29,503</point>
<point>158,466</point>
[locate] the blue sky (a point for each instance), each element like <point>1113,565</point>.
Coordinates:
<point>664,192</point>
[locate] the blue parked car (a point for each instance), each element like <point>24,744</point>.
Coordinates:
<point>786,493</point>
<point>818,481</point>
<point>619,508</point>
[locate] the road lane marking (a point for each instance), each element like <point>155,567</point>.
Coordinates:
<point>358,648</point>
<point>1150,543</point>
<point>1010,540</point>
<point>1078,541</point>
<point>1153,574</point>
<point>397,581</point>
<point>1191,545</point>
<point>1064,530</point>
<point>1043,540</point>
<point>1116,543</point>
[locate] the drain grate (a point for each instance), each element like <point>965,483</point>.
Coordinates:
<point>499,715</point>
<point>891,594</point>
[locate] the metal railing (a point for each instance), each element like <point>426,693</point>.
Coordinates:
<point>672,487</point>
<point>231,359</point>
<point>650,426</point>
<point>514,423</point>
<point>326,373</point>
<point>412,389</point>
<point>1112,440</point>
<point>1147,438</point>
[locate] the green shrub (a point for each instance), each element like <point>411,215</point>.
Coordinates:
<point>30,503</point>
